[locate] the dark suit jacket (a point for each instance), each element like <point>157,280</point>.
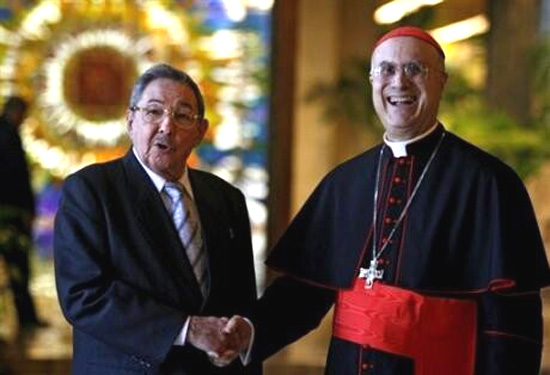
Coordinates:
<point>123,278</point>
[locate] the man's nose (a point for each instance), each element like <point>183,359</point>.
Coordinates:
<point>399,77</point>
<point>167,123</point>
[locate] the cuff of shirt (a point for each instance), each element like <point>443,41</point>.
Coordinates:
<point>181,339</point>
<point>245,355</point>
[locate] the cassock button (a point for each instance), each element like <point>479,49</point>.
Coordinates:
<point>365,366</point>
<point>397,179</point>
<point>388,220</point>
<point>392,200</point>
<point>401,161</point>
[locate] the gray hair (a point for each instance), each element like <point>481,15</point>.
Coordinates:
<point>169,72</point>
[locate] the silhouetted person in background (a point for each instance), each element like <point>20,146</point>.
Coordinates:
<point>16,210</point>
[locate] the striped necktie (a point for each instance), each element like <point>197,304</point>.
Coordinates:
<point>185,217</point>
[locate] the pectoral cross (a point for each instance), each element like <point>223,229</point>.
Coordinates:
<point>370,274</point>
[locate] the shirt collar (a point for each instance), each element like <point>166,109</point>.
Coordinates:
<point>160,181</point>
<point>399,148</point>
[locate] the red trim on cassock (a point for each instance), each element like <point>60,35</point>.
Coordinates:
<point>397,277</point>
<point>303,279</point>
<point>438,333</point>
<point>500,284</point>
<point>364,251</point>
<point>510,336</point>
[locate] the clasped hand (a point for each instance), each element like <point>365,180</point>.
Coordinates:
<point>222,339</point>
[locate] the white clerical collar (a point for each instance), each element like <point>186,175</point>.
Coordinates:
<point>159,181</point>
<point>399,148</point>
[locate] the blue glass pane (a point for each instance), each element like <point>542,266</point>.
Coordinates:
<point>5,14</point>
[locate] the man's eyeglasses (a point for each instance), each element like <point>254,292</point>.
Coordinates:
<point>154,114</point>
<point>387,71</point>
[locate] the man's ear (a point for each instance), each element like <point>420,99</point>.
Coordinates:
<point>445,77</point>
<point>129,120</point>
<point>202,128</point>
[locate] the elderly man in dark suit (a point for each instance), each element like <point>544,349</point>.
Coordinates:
<point>149,253</point>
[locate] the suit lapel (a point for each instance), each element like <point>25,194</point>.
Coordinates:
<point>157,225</point>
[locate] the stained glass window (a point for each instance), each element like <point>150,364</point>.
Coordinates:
<point>76,61</point>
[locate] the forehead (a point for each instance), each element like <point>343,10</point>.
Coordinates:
<point>403,49</point>
<point>167,91</point>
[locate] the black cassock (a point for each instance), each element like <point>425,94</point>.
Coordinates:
<point>469,233</point>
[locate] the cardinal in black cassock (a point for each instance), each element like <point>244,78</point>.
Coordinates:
<point>428,246</point>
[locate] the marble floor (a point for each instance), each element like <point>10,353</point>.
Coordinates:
<point>47,351</point>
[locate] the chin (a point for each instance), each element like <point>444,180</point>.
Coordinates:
<point>399,128</point>
<point>171,171</point>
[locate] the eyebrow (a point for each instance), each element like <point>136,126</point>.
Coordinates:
<point>417,61</point>
<point>178,104</point>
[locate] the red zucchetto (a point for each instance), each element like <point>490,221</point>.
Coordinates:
<point>413,32</point>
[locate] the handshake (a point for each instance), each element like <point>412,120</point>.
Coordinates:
<point>222,339</point>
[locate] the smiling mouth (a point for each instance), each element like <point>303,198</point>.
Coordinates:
<point>401,100</point>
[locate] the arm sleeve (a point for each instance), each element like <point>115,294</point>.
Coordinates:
<point>93,298</point>
<point>288,310</point>
<point>510,337</point>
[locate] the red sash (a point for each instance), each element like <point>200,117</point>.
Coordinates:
<point>438,333</point>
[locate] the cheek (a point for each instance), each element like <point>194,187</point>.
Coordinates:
<point>431,90</point>
<point>139,139</point>
<point>377,96</point>
<point>142,140</point>
<point>195,137</point>
<point>185,142</point>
